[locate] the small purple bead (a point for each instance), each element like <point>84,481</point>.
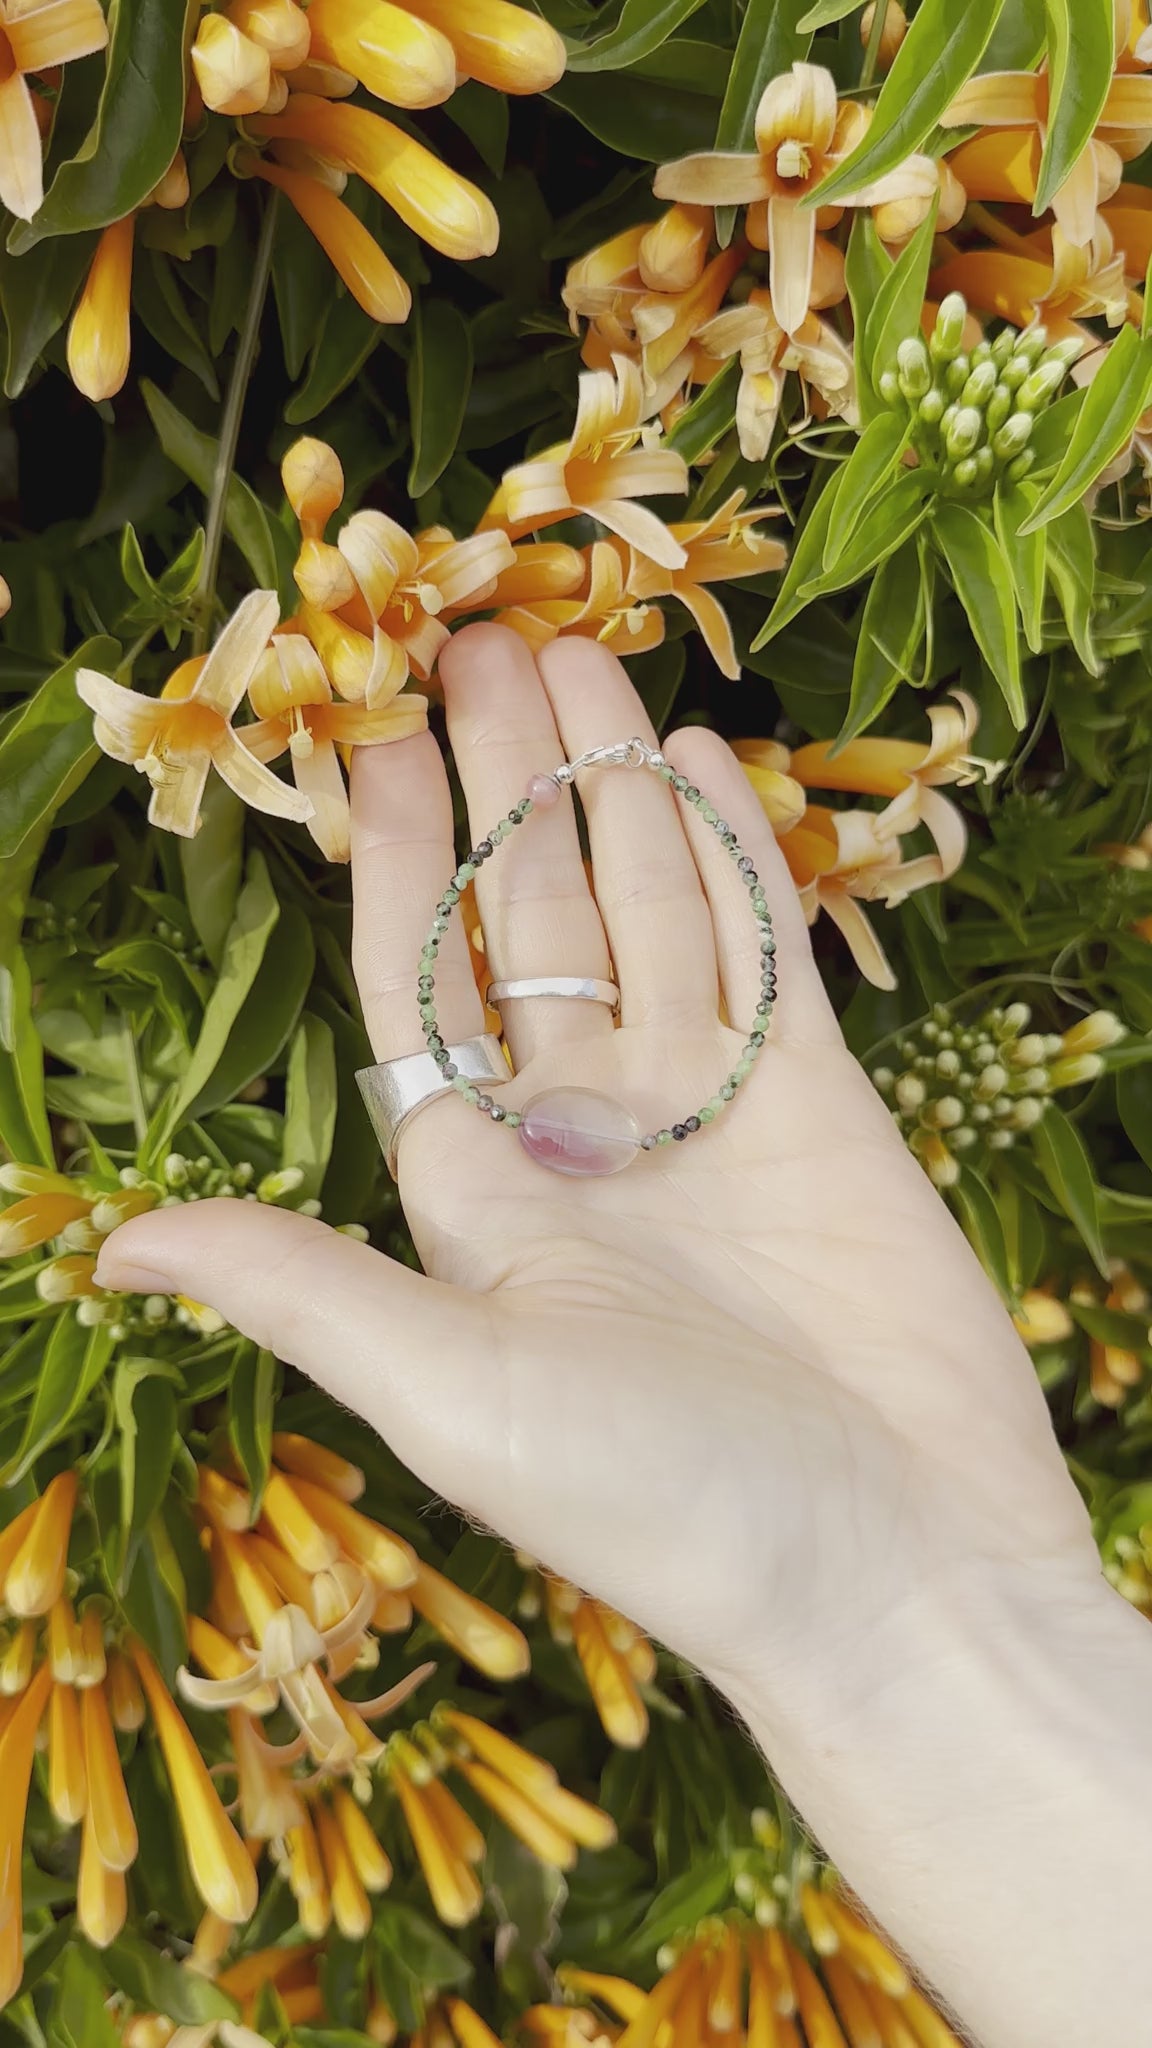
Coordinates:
<point>544,792</point>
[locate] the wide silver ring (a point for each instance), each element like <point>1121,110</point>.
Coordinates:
<point>583,987</point>
<point>395,1090</point>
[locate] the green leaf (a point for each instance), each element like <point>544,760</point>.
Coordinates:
<point>1063,1160</point>
<point>890,632</point>
<point>251,1407</point>
<point>195,453</point>
<point>47,747</point>
<point>984,1230</point>
<point>702,423</point>
<point>37,292</point>
<point>1110,1326</point>
<point>439,381</point>
<point>895,311</point>
<point>268,1016</point>
<point>1134,1102</point>
<point>138,123</point>
<point>157,1983</point>
<point>257,913</point>
<point>983,585</point>
<point>1071,562</point>
<point>24,1125</point>
<point>212,864</point>
<point>866,266</point>
<point>1024,553</point>
<point>302,283</point>
<point>155,1599</point>
<point>345,342</point>
<point>482,115</point>
<point>642,27</point>
<point>872,462</point>
<point>771,40</point>
<point>805,562</point>
<point>941,50</point>
<point>825,12</point>
<point>144,1405</point>
<point>1080,42</point>
<point>427,1952</point>
<point>79,2016</point>
<point>651,126</point>
<point>75,1362</point>
<point>310,1103</point>
<point>1111,406</point>
<point>902,512</point>
<point>156,298</point>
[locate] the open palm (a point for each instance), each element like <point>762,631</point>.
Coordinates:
<point>755,1391</point>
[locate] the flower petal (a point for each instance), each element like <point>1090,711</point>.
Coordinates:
<point>999,99</point>
<point>253,782</point>
<point>792,252</point>
<point>799,106</point>
<point>714,178</point>
<point>639,526</point>
<point>231,665</point>
<point>712,620</point>
<point>21,159</point>
<point>54,33</point>
<point>863,944</point>
<point>318,777</point>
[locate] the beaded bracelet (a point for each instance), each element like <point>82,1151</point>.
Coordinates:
<point>578,1130</point>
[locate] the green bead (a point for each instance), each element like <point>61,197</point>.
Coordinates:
<point>761,1020</point>
<point>666,773</point>
<point>512,1120</point>
<point>464,873</point>
<point>709,814</point>
<point>451,894</point>
<point>706,1115</point>
<point>718,1102</point>
<point>727,1092</point>
<point>680,784</point>
<point>742,1069</point>
<point>460,1082</point>
<point>663,1137</point>
<point>470,1093</point>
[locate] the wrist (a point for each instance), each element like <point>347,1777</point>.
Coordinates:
<point>962,1773</point>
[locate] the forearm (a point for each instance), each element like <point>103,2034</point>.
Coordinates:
<point>983,1777</point>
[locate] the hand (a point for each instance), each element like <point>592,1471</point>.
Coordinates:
<point>755,1391</point>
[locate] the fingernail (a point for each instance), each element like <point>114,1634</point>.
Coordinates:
<point>122,1279</point>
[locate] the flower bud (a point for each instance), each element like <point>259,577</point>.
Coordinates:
<point>946,1113</point>
<point>1015,1018</point>
<point>1073,1073</point>
<point>1065,352</point>
<point>998,408</point>
<point>1040,386</point>
<point>1042,1319</point>
<point>909,1091</point>
<point>985,464</point>
<point>931,408</point>
<point>323,577</point>
<point>1014,372</point>
<point>943,1170</point>
<point>891,35</point>
<point>913,367</point>
<point>1094,1034</point>
<point>982,353</point>
<point>1030,345</point>
<point>1026,1113</point>
<point>889,387</point>
<point>980,386</point>
<point>957,374</point>
<point>948,1065</point>
<point>993,1078</point>
<point>1001,1141</point>
<point>1003,345</point>
<point>1020,468</point>
<point>966,473</point>
<point>948,334</point>
<point>313,483</point>
<point>962,1138</point>
<point>883,1078</point>
<point>963,433</point>
<point>233,73</point>
<point>67,1279</point>
<point>275,1185</point>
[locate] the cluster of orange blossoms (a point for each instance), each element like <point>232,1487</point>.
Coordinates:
<point>301,1594</point>
<point>1115,1370</point>
<point>287,72</point>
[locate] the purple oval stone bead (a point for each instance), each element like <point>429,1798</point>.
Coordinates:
<point>580,1132</point>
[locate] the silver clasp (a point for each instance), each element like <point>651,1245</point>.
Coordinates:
<point>632,753</point>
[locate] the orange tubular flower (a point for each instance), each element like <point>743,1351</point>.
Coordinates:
<point>371,276</point>
<point>17,1749</point>
<point>609,611</point>
<point>176,738</point>
<point>292,698</point>
<point>802,134</point>
<point>1005,164</point>
<point>34,1577</point>
<point>820,357</point>
<point>613,457</point>
<point>221,1868</point>
<point>717,550</point>
<point>672,253</point>
<point>396,56</point>
<point>496,43</point>
<point>614,1657</point>
<point>488,1640</point>
<point>435,202</point>
<point>667,323</point>
<point>36,37</point>
<point>278,26</point>
<point>233,73</point>
<point>51,1201</point>
<point>100,332</point>
<point>446,1842</point>
<point>1045,277</point>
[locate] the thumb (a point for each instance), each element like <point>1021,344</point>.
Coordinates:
<point>414,1357</point>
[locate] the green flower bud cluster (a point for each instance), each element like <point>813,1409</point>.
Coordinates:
<point>973,413</point>
<point>970,1090</point>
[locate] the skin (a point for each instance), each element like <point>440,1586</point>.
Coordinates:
<point>755,1391</point>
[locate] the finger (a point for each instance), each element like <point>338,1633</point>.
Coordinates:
<point>802,1009</point>
<point>402,860</point>
<point>536,906</point>
<point>646,880</point>
<point>410,1354</point>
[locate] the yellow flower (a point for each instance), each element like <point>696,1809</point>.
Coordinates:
<point>174,739</point>
<point>1044,277</point>
<point>609,610</point>
<point>435,202</point>
<point>109,1814</point>
<point>802,134</point>
<point>220,1865</point>
<point>34,1549</point>
<point>396,56</point>
<point>1005,164</point>
<point>36,38</point>
<point>101,1893</point>
<point>100,333</point>
<point>51,1201</point>
<point>1042,1318</point>
<point>506,47</point>
<point>17,1749</point>
<point>488,1640</point>
<point>447,1842</point>
<point>524,1793</point>
<point>278,26</point>
<point>613,458</point>
<point>615,1658</point>
<point>717,550</point>
<point>540,571</point>
<point>355,256</point>
<point>671,254</point>
<point>292,698</point>
<point>892,33</point>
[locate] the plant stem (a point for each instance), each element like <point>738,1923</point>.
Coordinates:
<point>230,425</point>
<point>135,1087</point>
<point>875,38</point>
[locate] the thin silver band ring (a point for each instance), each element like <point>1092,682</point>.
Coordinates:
<point>583,987</point>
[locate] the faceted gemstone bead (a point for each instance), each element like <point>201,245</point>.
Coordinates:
<point>544,792</point>
<point>578,1131</point>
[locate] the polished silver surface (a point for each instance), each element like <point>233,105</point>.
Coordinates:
<point>394,1090</point>
<point>583,987</point>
